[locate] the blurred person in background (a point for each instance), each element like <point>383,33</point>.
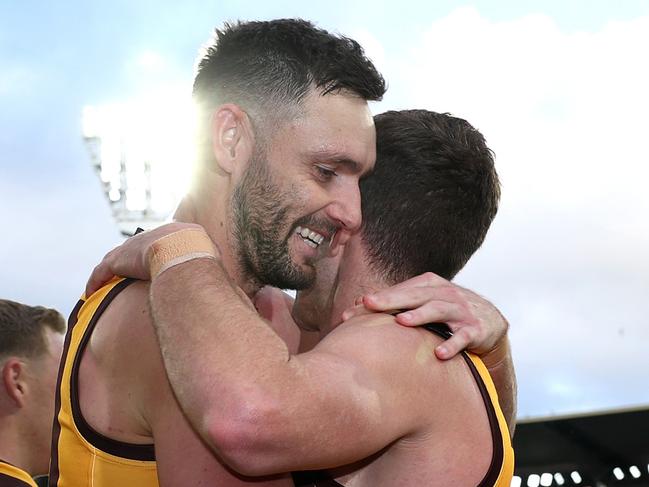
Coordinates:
<point>31,343</point>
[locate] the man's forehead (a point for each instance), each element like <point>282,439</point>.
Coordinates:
<point>334,128</point>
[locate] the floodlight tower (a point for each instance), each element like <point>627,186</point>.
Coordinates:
<point>134,158</point>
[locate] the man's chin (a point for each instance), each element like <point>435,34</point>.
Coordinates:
<point>290,276</point>
<point>303,276</point>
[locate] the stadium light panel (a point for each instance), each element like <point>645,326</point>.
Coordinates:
<point>533,480</point>
<point>558,478</point>
<point>576,478</point>
<point>546,479</point>
<point>516,481</point>
<point>635,471</point>
<point>143,151</point>
<point>619,474</point>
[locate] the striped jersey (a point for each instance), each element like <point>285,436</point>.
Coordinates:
<point>82,456</point>
<point>11,476</point>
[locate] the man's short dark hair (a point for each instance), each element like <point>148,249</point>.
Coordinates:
<point>432,196</point>
<point>22,328</point>
<point>268,67</point>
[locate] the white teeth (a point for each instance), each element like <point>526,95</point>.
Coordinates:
<point>310,237</point>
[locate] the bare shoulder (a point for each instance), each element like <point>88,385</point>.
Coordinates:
<point>125,330</point>
<point>440,399</point>
<point>400,358</point>
<point>379,338</point>
<point>121,370</point>
<point>405,357</point>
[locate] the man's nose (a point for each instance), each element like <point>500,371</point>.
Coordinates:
<point>345,210</point>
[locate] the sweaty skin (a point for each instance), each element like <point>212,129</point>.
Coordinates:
<point>283,411</point>
<point>424,354</point>
<point>478,325</point>
<point>255,458</point>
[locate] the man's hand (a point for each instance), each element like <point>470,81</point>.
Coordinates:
<point>475,322</point>
<point>131,258</point>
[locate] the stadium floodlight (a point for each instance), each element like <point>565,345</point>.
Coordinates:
<point>619,474</point>
<point>533,480</point>
<point>546,479</point>
<point>516,481</point>
<point>635,471</point>
<point>143,153</point>
<point>558,478</point>
<point>576,478</point>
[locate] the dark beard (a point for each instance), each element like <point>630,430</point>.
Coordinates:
<point>259,216</point>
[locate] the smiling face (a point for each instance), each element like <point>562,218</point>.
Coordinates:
<point>295,195</point>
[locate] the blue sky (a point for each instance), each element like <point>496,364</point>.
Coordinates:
<point>556,87</point>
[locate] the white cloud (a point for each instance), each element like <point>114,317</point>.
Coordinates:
<point>558,108</point>
<point>566,259</point>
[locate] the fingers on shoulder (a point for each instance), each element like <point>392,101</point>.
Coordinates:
<point>431,312</point>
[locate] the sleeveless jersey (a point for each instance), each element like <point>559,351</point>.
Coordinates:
<point>501,469</point>
<point>11,476</point>
<point>82,456</point>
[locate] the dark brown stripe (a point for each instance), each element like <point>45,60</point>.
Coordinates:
<point>122,449</point>
<point>41,480</point>
<point>9,481</point>
<point>497,456</point>
<point>56,427</point>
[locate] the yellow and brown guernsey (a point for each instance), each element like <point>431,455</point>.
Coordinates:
<point>82,456</point>
<point>11,476</point>
<point>501,470</point>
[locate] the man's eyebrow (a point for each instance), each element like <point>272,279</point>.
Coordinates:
<point>335,158</point>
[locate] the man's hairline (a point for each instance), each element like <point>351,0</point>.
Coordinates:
<point>46,348</point>
<point>295,111</point>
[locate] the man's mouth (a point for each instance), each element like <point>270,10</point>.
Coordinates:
<point>311,238</point>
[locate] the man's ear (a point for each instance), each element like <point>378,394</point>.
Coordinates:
<point>13,380</point>
<point>232,138</point>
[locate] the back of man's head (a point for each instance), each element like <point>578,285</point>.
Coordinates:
<point>268,68</point>
<point>432,197</point>
<point>22,328</point>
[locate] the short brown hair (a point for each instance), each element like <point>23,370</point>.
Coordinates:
<point>436,175</point>
<point>21,328</point>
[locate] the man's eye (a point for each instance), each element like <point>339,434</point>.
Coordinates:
<point>325,173</point>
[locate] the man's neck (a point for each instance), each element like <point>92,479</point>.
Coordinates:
<point>16,450</point>
<point>216,222</point>
<point>355,279</point>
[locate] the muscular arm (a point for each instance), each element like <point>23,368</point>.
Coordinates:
<point>131,259</point>
<point>127,350</point>
<point>260,408</point>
